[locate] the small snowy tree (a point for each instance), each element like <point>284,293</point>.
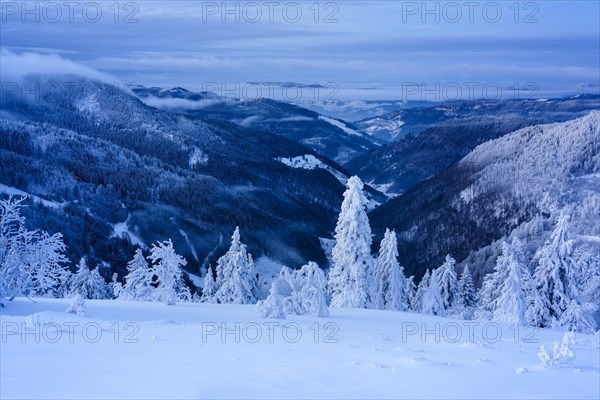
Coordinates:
<point>116,286</point>
<point>562,355</point>
<point>448,282</point>
<point>312,284</point>
<point>236,279</point>
<point>77,305</point>
<point>578,317</point>
<point>46,264</point>
<point>555,275</point>
<point>88,284</point>
<point>138,282</point>
<point>417,304</point>
<point>351,279</point>
<point>391,282</point>
<point>432,302</point>
<point>209,288</point>
<point>411,292</point>
<point>466,289</point>
<point>166,266</point>
<point>272,306</point>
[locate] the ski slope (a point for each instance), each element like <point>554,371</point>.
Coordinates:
<point>127,349</point>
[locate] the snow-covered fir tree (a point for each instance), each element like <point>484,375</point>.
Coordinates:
<point>88,284</point>
<point>555,277</point>
<point>166,266</point>
<point>467,294</point>
<point>417,304</point>
<point>31,262</point>
<point>411,292</point>
<point>209,288</point>
<point>272,306</point>
<point>236,279</point>
<point>509,301</point>
<point>432,302</point>
<point>351,279</point>
<point>448,282</point>
<point>138,281</point>
<point>116,286</point>
<point>391,282</point>
<point>312,286</point>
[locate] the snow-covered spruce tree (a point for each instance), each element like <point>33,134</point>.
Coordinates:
<point>116,286</point>
<point>236,280</point>
<point>411,292</point>
<point>511,277</point>
<point>466,289</point>
<point>448,282</point>
<point>209,288</point>
<point>88,284</point>
<point>351,278</point>
<point>138,281</point>
<point>417,304</point>
<point>166,266</point>
<point>555,275</point>
<point>432,302</point>
<point>588,263</point>
<point>272,306</point>
<point>313,299</point>
<point>31,262</point>
<point>391,282</point>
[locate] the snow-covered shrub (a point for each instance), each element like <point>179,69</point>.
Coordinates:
<point>562,355</point>
<point>77,305</point>
<point>272,306</point>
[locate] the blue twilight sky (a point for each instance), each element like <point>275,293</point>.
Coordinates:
<point>370,49</point>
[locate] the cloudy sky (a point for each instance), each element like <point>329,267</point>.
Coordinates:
<point>370,49</point>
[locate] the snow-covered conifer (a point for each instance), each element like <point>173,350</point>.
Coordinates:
<point>209,288</point>
<point>88,284</point>
<point>312,290</point>
<point>351,279</point>
<point>138,282</point>
<point>466,289</point>
<point>448,282</point>
<point>166,266</point>
<point>417,304</point>
<point>236,279</point>
<point>272,306</point>
<point>411,292</point>
<point>391,282</point>
<point>555,275</point>
<point>432,302</point>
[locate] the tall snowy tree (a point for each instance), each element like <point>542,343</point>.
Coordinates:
<point>391,282</point>
<point>555,275</point>
<point>351,279</point>
<point>432,302</point>
<point>448,282</point>
<point>236,279</point>
<point>88,284</point>
<point>411,292</point>
<point>166,266</point>
<point>138,281</point>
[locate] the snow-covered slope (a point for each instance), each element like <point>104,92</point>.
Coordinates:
<point>519,182</point>
<point>134,349</point>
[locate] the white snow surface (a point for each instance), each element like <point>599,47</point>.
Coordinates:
<point>16,192</point>
<point>121,229</point>
<point>340,125</point>
<point>169,352</point>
